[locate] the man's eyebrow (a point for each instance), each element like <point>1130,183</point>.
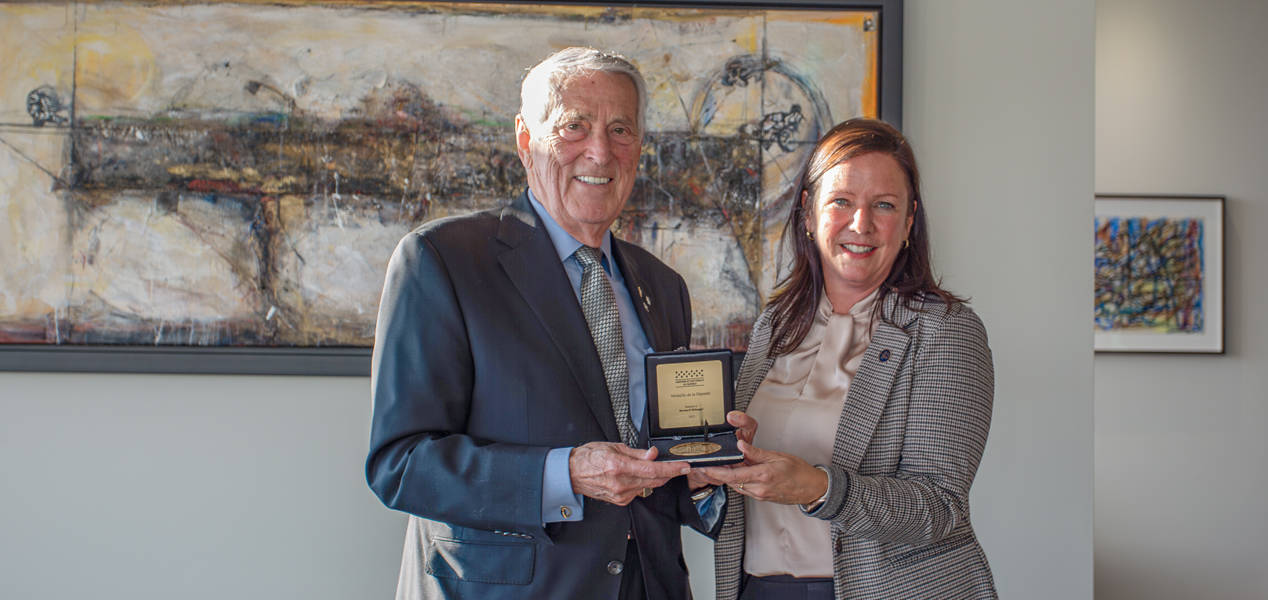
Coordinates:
<point>573,114</point>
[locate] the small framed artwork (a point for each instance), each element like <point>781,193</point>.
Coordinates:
<point>1159,282</point>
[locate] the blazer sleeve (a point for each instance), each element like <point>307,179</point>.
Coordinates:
<point>949,415</point>
<point>421,461</point>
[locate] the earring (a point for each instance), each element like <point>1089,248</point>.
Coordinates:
<point>810,236</point>
<point>906,244</point>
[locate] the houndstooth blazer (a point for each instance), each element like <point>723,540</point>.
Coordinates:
<point>911,434</point>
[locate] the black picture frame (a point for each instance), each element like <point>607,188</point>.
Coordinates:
<point>355,361</point>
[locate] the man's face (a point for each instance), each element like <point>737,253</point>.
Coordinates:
<point>582,163</point>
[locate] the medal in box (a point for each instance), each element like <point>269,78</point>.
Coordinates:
<point>688,395</point>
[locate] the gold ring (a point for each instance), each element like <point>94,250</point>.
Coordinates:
<point>739,486</point>
<point>646,492</point>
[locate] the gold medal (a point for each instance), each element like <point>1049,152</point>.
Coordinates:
<point>694,448</point>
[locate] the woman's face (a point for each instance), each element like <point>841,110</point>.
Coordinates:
<point>860,216</point>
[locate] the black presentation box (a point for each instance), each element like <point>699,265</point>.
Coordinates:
<point>689,393</point>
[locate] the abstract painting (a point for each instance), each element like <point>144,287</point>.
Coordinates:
<point>185,176</point>
<point>1159,269</point>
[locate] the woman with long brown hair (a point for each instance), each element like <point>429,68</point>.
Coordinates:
<point>873,387</point>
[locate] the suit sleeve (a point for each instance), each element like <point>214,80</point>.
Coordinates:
<point>421,461</point>
<point>948,419</point>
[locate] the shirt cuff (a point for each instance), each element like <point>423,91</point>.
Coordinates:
<point>710,508</point>
<point>838,493</point>
<point>558,501</point>
<point>813,507</point>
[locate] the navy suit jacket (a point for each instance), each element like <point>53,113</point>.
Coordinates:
<point>483,363</point>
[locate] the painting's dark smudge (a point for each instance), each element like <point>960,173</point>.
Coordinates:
<point>44,106</point>
<point>778,128</point>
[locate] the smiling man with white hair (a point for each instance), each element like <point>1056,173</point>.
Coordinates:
<point>509,398</point>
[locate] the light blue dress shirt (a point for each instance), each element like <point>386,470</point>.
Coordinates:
<point>557,480</point>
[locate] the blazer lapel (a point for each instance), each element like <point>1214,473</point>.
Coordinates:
<point>869,391</point>
<point>757,362</point>
<point>533,267</point>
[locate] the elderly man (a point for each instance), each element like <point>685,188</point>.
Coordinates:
<point>508,370</point>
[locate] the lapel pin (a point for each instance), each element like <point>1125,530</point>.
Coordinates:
<point>884,357</point>
<point>647,302</point>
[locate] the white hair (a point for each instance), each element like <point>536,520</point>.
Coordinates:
<point>544,83</point>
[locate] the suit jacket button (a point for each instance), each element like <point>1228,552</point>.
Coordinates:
<point>615,567</point>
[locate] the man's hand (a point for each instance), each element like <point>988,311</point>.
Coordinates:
<point>697,480</point>
<point>616,473</point>
<point>771,476</point>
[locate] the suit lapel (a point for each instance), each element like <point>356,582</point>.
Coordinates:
<point>640,293</point>
<point>533,267</point>
<point>869,391</point>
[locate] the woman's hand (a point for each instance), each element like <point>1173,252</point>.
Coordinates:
<point>770,476</point>
<point>745,426</point>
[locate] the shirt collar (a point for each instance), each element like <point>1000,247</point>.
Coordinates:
<point>565,244</point>
<point>862,310</point>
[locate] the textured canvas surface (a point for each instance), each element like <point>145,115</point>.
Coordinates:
<point>237,174</point>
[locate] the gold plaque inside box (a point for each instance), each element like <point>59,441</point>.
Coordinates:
<point>688,395</point>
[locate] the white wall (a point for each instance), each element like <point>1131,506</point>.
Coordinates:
<point>119,486</point>
<point>1181,450</point>
<point>998,103</point>
<point>157,487</point>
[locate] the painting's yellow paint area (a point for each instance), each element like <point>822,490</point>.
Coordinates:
<point>273,184</point>
<point>478,8</point>
<point>113,63</point>
<point>291,209</point>
<point>870,87</point>
<point>870,39</point>
<point>32,306</point>
<point>749,39</point>
<point>35,50</point>
<point>205,172</point>
<point>112,69</point>
<point>850,18</point>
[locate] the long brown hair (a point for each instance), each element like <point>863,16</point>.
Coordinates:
<point>911,276</point>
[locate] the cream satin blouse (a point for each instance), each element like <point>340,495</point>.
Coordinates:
<point>798,407</point>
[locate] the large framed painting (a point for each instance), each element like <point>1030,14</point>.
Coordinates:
<point>217,186</point>
<point>1159,274</point>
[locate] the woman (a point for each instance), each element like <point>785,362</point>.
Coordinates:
<point>873,388</point>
